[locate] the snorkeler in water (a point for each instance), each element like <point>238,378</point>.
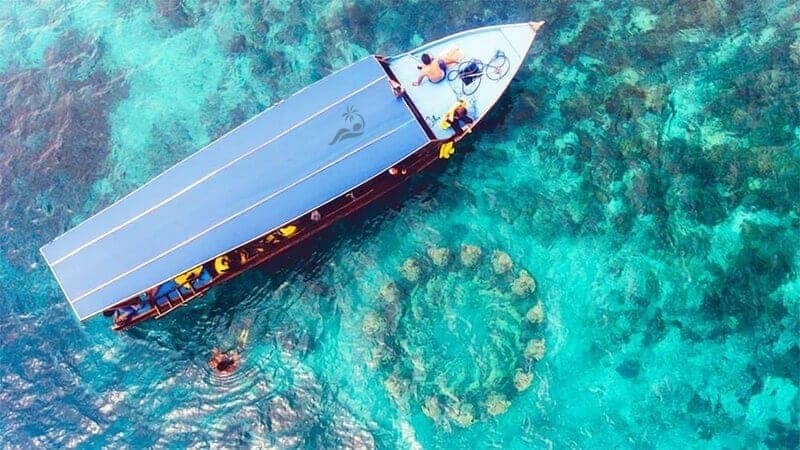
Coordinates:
<point>224,363</point>
<point>241,341</point>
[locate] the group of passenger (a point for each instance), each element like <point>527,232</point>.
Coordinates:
<point>435,70</point>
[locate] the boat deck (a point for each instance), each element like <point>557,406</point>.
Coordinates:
<point>433,100</point>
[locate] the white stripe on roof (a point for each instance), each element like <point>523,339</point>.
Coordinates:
<point>210,174</point>
<point>209,145</point>
<point>229,218</point>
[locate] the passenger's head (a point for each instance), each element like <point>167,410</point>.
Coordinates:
<point>225,365</point>
<point>426,58</point>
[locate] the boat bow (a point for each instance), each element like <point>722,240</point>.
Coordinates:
<point>497,51</point>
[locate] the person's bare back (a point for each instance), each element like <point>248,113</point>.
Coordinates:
<point>436,69</point>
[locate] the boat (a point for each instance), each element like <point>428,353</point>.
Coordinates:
<point>281,177</point>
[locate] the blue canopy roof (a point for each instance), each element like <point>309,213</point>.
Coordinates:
<point>311,148</point>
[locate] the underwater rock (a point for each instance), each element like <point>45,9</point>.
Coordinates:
<point>522,380</point>
<point>794,52</point>
<point>439,255</point>
<point>501,262</point>
<point>175,13</point>
<point>390,293</point>
<point>372,324</point>
<point>462,414</point>
<point>536,313</point>
<point>629,368</point>
<point>395,386</point>
<point>497,404</point>
<point>375,358</point>
<point>524,284</point>
<point>535,349</point>
<point>470,255</point>
<point>431,407</point>
<point>642,21</point>
<point>411,270</point>
<point>238,44</point>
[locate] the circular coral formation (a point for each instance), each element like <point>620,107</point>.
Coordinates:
<point>411,270</point>
<point>524,284</point>
<point>522,380</point>
<point>395,386</point>
<point>497,404</point>
<point>470,254</point>
<point>439,255</point>
<point>462,414</point>
<point>390,292</point>
<point>535,349</point>
<point>431,407</point>
<point>440,305</point>
<point>794,52</point>
<point>501,262</point>
<point>536,313</point>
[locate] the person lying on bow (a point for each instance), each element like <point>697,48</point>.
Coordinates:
<point>435,70</point>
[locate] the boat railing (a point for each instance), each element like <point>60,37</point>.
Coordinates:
<point>261,249</point>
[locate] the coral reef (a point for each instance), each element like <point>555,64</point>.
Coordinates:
<point>449,381</point>
<point>469,255</point>
<point>536,313</point>
<point>373,324</point>
<point>55,136</point>
<point>390,293</point>
<point>522,380</point>
<point>411,270</point>
<point>524,284</point>
<point>431,407</point>
<point>496,404</point>
<point>439,255</point>
<point>462,414</point>
<point>535,349</point>
<point>501,262</point>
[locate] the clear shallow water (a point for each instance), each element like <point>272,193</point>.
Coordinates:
<point>643,168</point>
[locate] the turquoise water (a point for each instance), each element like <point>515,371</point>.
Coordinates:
<point>644,169</point>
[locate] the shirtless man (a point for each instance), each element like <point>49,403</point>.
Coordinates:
<point>224,363</point>
<point>436,69</point>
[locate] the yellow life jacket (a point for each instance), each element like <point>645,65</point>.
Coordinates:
<point>188,276</point>
<point>222,264</point>
<point>449,116</point>
<point>446,150</point>
<point>288,231</point>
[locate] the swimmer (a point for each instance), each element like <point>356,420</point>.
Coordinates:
<point>224,363</point>
<point>241,341</point>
